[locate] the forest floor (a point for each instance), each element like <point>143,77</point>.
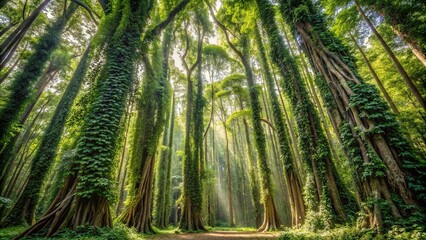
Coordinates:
<point>219,235</point>
<point>121,232</point>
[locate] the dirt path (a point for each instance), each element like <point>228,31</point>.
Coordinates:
<point>219,235</point>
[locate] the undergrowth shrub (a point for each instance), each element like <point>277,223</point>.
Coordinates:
<point>351,233</point>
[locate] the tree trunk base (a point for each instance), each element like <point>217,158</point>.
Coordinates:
<point>70,211</point>
<point>271,221</point>
<point>191,220</point>
<point>138,214</point>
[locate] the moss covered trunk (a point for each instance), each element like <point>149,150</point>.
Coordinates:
<point>384,163</point>
<point>161,181</point>
<point>254,181</point>
<point>22,84</point>
<point>191,219</point>
<point>25,206</point>
<point>326,193</point>
<point>293,183</point>
<point>151,119</point>
<point>85,195</point>
<point>168,191</point>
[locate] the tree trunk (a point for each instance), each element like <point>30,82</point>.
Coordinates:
<point>41,85</point>
<point>406,21</point>
<point>123,191</point>
<point>314,97</point>
<point>315,150</point>
<point>212,196</point>
<point>10,70</point>
<point>167,204</point>
<point>293,137</point>
<point>120,181</point>
<point>138,215</point>
<point>292,182</point>
<point>46,152</point>
<point>191,219</point>
<point>149,125</point>
<point>160,182</point>
<point>24,80</point>
<point>127,120</point>
<point>228,175</point>
<point>8,27</point>
<point>254,183</point>
<point>83,199</point>
<point>369,132</point>
<point>413,45</point>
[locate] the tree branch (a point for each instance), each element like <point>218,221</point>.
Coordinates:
<point>87,8</point>
<point>225,31</point>
<point>269,123</point>
<point>162,25</point>
<point>199,50</point>
<point>24,9</point>
<point>185,64</point>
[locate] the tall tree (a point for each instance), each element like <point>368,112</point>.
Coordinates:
<point>192,192</point>
<point>294,184</point>
<point>149,124</point>
<point>162,199</point>
<point>25,79</point>
<point>271,219</point>
<point>25,206</point>
<point>324,192</point>
<point>85,195</point>
<point>386,167</point>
